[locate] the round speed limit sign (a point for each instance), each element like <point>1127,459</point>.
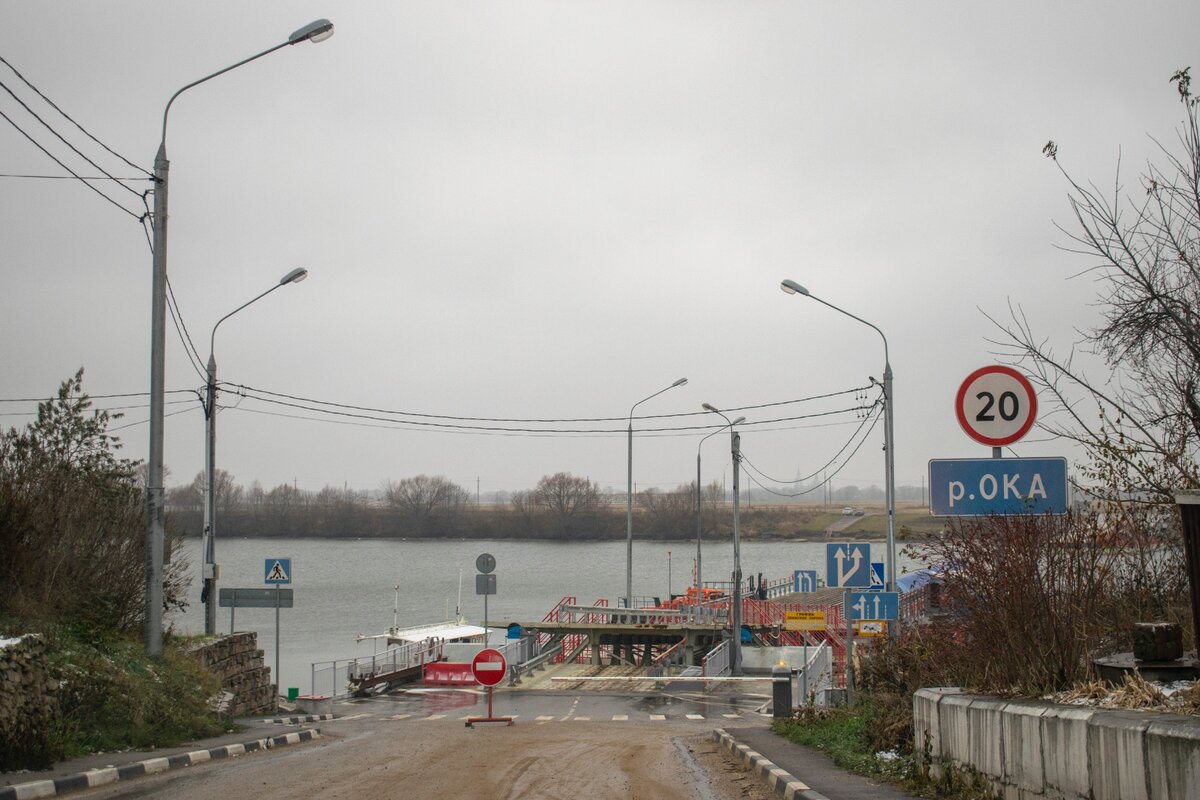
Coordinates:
<point>996,405</point>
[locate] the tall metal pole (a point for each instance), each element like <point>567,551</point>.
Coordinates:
<point>735,651</point>
<point>210,499</point>
<point>735,602</point>
<point>155,510</point>
<point>699,527</point>
<point>889,462</point>
<point>211,570</point>
<point>629,497</point>
<point>316,31</point>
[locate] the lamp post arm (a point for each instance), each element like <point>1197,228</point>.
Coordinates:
<point>167,110</point>
<point>212,339</point>
<point>887,363</point>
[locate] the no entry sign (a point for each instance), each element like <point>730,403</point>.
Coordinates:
<point>996,405</point>
<point>489,666</point>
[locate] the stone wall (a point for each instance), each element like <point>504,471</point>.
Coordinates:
<point>238,663</point>
<point>27,700</point>
<point>1031,749</point>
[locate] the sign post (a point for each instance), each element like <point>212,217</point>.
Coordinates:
<point>489,667</point>
<point>277,571</point>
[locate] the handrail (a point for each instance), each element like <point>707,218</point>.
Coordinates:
<point>660,664</point>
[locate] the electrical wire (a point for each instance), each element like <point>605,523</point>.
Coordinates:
<point>63,139</point>
<point>827,479</point>
<point>878,404</point>
<point>532,421</point>
<point>66,116</point>
<point>64,166</point>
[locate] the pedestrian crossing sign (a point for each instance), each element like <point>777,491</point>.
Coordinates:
<point>277,571</point>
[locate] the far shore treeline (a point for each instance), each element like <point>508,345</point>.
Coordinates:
<point>562,506</point>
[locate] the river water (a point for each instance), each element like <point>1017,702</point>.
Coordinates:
<point>346,587</point>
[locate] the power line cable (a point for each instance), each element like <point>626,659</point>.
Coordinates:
<point>35,143</point>
<point>53,105</point>
<point>63,139</point>
<point>537,421</point>
<point>836,456</point>
<point>688,429</point>
<point>827,479</point>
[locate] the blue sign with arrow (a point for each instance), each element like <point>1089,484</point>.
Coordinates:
<point>804,580</point>
<point>972,487</point>
<point>848,564</point>
<point>874,605</point>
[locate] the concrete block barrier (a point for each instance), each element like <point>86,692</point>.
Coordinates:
<point>1030,749</point>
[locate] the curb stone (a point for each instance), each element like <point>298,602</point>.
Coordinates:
<point>152,766</point>
<point>783,783</point>
<point>298,720</point>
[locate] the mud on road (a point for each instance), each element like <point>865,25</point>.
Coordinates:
<point>441,760</point>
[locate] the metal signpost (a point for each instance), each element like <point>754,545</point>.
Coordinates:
<point>277,571</point>
<point>485,584</point>
<point>489,668</point>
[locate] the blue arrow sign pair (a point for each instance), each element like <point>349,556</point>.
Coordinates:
<point>848,564</point>
<point>874,605</point>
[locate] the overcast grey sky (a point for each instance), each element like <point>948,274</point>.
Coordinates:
<point>553,209</point>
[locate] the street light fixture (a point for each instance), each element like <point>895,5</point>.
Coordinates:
<point>210,460</point>
<point>700,511</point>
<point>629,497</point>
<point>791,287</point>
<point>317,31</point>
<point>735,612</point>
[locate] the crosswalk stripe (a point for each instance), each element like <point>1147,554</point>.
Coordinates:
<point>658,717</point>
<point>620,718</point>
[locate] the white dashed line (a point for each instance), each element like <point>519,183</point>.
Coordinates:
<point>399,716</point>
<point>731,716</point>
<point>432,717</point>
<point>542,719</point>
<point>695,716</point>
<point>356,716</point>
<point>583,719</point>
<point>658,717</point>
<point>620,718</point>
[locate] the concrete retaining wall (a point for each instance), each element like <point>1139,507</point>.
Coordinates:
<point>1030,749</point>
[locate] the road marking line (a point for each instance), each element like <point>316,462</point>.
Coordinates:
<point>731,716</point>
<point>583,719</point>
<point>695,716</point>
<point>356,716</point>
<point>432,717</point>
<point>658,717</point>
<point>620,718</point>
<point>399,716</point>
<point>542,719</point>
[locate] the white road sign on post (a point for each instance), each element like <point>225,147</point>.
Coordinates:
<point>996,405</point>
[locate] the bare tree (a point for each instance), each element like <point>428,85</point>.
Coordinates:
<point>1144,437</point>
<point>570,502</point>
<point>428,504</point>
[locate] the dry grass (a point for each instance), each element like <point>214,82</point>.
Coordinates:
<point>1135,693</point>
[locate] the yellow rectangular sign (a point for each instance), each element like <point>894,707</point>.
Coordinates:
<point>804,621</point>
<point>872,627</point>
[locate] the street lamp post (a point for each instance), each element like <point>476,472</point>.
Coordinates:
<point>735,611</point>
<point>700,510</point>
<point>889,449</point>
<point>210,460</point>
<point>317,31</point>
<point>629,497</point>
